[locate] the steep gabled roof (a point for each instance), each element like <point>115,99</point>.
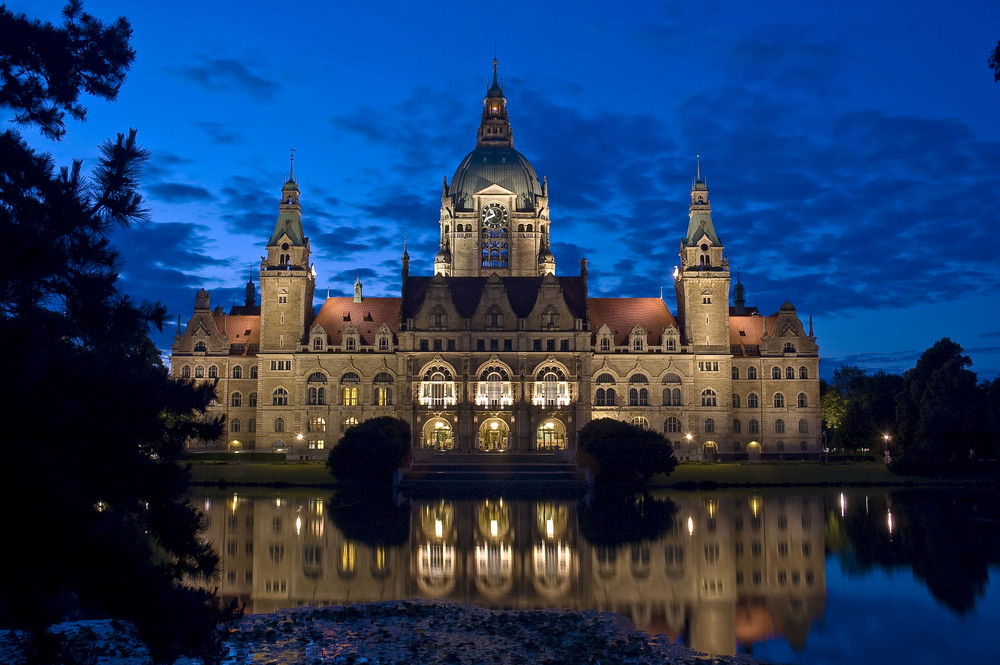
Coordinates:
<point>745,331</point>
<point>466,292</point>
<point>623,314</point>
<point>367,316</point>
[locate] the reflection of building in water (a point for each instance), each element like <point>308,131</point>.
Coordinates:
<point>732,570</point>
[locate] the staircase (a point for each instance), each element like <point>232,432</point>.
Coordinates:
<point>521,474</point>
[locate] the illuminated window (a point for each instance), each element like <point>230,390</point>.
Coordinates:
<point>348,423</point>
<point>317,425</point>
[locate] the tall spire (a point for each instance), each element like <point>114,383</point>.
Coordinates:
<point>291,167</point>
<point>700,213</point>
<point>494,129</point>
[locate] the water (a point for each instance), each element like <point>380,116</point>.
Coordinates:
<point>859,576</point>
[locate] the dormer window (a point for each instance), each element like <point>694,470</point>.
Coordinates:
<point>494,317</point>
<point>637,339</point>
<point>550,317</point>
<point>605,344</point>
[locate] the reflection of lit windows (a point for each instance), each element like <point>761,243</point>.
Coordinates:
<point>276,553</point>
<point>756,578</point>
<point>347,560</point>
<point>806,549</point>
<point>782,578</point>
<point>783,549</point>
<point>711,553</point>
<point>755,549</point>
<point>231,577</point>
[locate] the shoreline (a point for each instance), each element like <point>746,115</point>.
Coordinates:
<point>406,631</point>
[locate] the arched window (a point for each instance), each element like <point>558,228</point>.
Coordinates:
<point>383,396</point>
<point>779,400</point>
<point>383,377</point>
<point>638,397</point>
<point>252,399</point>
<point>781,446</point>
<point>775,372</point>
<point>789,372</point>
<point>317,425</point>
<point>753,427</point>
<point>672,425</point>
<point>671,397</point>
<point>709,425</point>
<point>186,372</point>
<point>779,426</point>
<point>317,377</point>
<point>610,398</point>
<point>213,372</point>
<point>802,400</point>
<point>199,372</point>
<point>599,397</point>
<point>279,424</point>
<point>736,372</point>
<point>348,423</point>
<point>349,395</point>
<point>237,372</point>
<point>253,371</point>
<point>252,425</point>
<point>437,388</point>
<point>803,426</point>
<point>736,400</point>
<point>638,378</point>
<point>605,378</point>
<point>350,377</point>
<point>316,395</point>
<point>736,426</point>
<point>236,399</point>
<point>279,397</point>
<point>803,372</point>
<point>751,373</point>
<point>234,425</point>
<point>640,421</point>
<point>752,401</point>
<point>708,397</point>
<point>200,347</point>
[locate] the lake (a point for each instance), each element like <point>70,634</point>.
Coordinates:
<point>859,576</point>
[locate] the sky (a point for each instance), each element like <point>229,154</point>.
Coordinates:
<point>851,149</point>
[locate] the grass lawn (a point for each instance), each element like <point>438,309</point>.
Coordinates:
<point>261,473</point>
<point>686,476</point>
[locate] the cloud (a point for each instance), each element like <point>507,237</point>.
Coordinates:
<point>219,133</point>
<point>224,75</point>
<point>176,192</point>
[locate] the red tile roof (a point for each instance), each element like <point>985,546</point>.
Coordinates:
<point>367,316</point>
<point>747,330</point>
<point>623,314</point>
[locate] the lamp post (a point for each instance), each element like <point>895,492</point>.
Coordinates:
<point>885,450</point>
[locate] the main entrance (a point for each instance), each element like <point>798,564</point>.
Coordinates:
<point>494,436</point>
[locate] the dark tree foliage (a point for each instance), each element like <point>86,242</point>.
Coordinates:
<point>371,450</point>
<point>98,524</point>
<point>45,68</point>
<point>611,517</point>
<point>939,411</point>
<point>622,452</point>
<point>994,62</point>
<point>860,408</point>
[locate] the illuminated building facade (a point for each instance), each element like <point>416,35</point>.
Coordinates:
<point>494,351</point>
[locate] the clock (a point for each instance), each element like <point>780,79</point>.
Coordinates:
<point>494,215</point>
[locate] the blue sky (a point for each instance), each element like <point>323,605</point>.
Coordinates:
<point>852,149</point>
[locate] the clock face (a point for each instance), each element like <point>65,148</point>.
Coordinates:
<point>494,215</point>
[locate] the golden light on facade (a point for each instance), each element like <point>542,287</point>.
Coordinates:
<point>550,528</point>
<point>298,526</point>
<point>690,525</point>
<point>438,528</point>
<point>494,528</point>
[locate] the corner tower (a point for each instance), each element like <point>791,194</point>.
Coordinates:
<point>287,281</point>
<point>701,282</point>
<point>495,213</point>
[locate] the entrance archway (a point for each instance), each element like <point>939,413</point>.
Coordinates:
<point>551,435</point>
<point>710,451</point>
<point>753,451</point>
<point>438,435</point>
<point>494,435</point>
<point>235,446</point>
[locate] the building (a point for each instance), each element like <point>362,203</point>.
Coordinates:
<point>494,351</point>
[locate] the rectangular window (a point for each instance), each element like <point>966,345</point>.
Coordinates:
<point>494,345</point>
<point>438,345</point>
<point>451,345</point>
<point>536,345</point>
<point>564,345</point>
<point>480,345</point>
<point>424,346</point>
<point>550,345</point>
<point>508,345</point>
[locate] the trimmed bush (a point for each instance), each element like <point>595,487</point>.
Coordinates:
<point>371,450</point>
<point>622,452</point>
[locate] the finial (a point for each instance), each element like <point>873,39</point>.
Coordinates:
<point>291,166</point>
<point>494,59</point>
<point>699,166</point>
<point>810,325</point>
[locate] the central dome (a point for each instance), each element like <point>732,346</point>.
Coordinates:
<point>495,165</point>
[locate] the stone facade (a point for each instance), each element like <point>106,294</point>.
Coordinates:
<point>495,352</point>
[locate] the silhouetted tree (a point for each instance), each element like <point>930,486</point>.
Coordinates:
<point>97,521</point>
<point>859,408</point>
<point>613,517</point>
<point>938,411</point>
<point>994,62</point>
<point>371,450</point>
<point>622,452</point>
